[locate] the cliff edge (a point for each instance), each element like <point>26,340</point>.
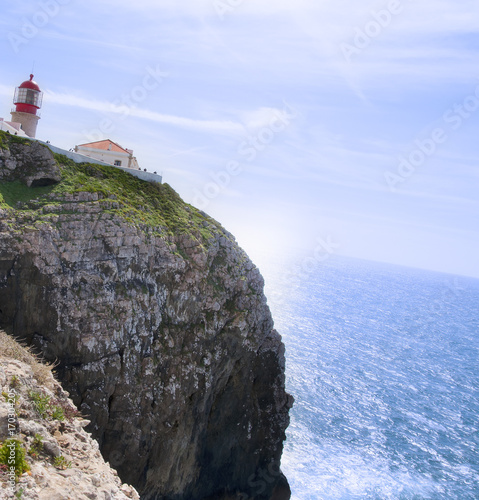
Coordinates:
<point>157,320</point>
<point>49,456</point>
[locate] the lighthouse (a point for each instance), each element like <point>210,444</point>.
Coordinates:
<point>27,100</point>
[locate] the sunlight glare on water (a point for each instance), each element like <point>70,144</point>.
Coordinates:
<point>383,363</point>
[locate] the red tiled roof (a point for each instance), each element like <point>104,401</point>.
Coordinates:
<point>105,145</point>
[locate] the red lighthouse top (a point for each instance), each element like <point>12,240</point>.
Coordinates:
<point>30,84</point>
<point>28,97</point>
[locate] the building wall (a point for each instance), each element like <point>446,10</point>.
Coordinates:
<point>145,176</point>
<point>12,127</point>
<point>110,157</point>
<point>107,156</point>
<point>134,164</point>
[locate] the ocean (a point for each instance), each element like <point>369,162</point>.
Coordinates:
<point>383,363</point>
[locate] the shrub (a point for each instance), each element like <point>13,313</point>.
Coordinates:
<point>46,408</point>
<point>61,463</point>
<point>41,402</point>
<point>13,454</point>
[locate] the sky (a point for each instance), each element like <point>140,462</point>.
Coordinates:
<point>315,126</point>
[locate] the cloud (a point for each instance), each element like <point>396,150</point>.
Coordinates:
<point>220,126</point>
<point>83,40</point>
<point>248,119</point>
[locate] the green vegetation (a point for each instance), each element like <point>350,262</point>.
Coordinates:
<point>138,202</point>
<point>41,402</point>
<point>58,413</point>
<point>8,397</point>
<point>46,408</point>
<point>37,446</point>
<point>155,208</point>
<point>7,139</point>
<point>61,463</point>
<point>15,139</point>
<point>13,192</point>
<point>12,454</point>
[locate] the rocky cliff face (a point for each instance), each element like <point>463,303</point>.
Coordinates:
<point>158,321</point>
<point>63,461</point>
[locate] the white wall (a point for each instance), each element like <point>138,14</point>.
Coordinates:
<point>81,158</point>
<point>108,156</point>
<point>7,127</point>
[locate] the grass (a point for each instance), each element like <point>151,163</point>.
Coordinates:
<point>7,139</point>
<point>141,203</point>
<point>13,192</point>
<point>147,205</point>
<point>10,348</point>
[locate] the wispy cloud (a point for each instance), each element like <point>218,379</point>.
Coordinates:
<point>94,41</point>
<point>219,126</point>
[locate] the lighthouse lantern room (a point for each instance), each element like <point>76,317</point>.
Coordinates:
<point>28,100</point>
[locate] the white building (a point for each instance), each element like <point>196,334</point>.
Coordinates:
<point>109,152</point>
<point>14,128</point>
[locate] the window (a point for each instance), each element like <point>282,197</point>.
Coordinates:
<point>28,96</point>
<point>117,163</point>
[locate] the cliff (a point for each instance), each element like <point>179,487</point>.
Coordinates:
<point>157,320</point>
<point>60,461</point>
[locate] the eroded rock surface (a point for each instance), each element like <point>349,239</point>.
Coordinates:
<point>64,460</point>
<point>30,162</point>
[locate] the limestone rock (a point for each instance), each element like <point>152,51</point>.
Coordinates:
<point>30,162</point>
<point>86,475</point>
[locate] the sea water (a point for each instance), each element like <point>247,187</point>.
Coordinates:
<point>383,363</point>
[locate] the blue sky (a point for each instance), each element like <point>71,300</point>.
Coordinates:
<point>292,123</point>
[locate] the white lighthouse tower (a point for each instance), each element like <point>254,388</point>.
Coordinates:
<point>27,100</point>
